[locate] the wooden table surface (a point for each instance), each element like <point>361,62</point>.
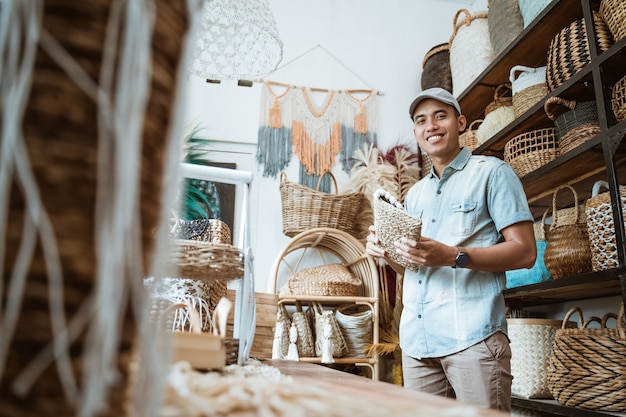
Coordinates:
<point>359,386</point>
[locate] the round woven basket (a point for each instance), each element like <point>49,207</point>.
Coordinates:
<point>61,128</point>
<point>601,226</point>
<point>567,252</point>
<point>528,86</point>
<point>470,48</point>
<point>569,50</point>
<point>577,124</point>
<point>587,364</point>
<point>316,246</point>
<point>436,68</point>
<point>618,99</point>
<point>614,14</point>
<point>531,150</point>
<point>469,138</point>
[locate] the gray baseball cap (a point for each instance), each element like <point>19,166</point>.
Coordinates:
<point>435,93</point>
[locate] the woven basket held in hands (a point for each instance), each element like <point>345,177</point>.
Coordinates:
<point>530,9</point>
<point>587,364</point>
<point>528,86</point>
<point>618,100</point>
<point>329,279</point>
<point>531,340</point>
<point>498,114</point>
<point>304,208</point>
<point>601,226</point>
<point>392,222</point>
<point>569,50</point>
<point>568,252</point>
<point>531,150</point>
<point>505,23</point>
<point>614,14</point>
<point>470,48</point>
<point>576,125</point>
<point>436,68</point>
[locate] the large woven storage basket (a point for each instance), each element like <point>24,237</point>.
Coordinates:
<point>530,9</point>
<point>304,208</point>
<point>569,50</point>
<point>618,99</point>
<point>567,252</point>
<point>531,150</point>
<point>470,48</point>
<point>505,23</point>
<point>614,14</point>
<point>574,126</point>
<point>528,87</point>
<point>436,68</point>
<point>531,341</point>
<point>601,226</point>
<point>587,365</point>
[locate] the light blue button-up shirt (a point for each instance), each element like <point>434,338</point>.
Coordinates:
<point>449,309</point>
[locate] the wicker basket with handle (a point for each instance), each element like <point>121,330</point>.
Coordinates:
<point>531,150</point>
<point>528,86</point>
<point>576,125</point>
<point>567,252</point>
<point>436,68</point>
<point>601,226</point>
<point>304,208</point>
<point>587,364</point>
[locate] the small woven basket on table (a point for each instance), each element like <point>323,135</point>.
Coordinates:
<point>531,150</point>
<point>601,226</point>
<point>304,208</point>
<point>436,68</point>
<point>587,364</point>
<point>618,99</point>
<point>567,252</point>
<point>528,86</point>
<point>569,50</point>
<point>613,12</point>
<point>576,125</point>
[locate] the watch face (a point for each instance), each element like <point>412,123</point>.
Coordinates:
<point>462,260</point>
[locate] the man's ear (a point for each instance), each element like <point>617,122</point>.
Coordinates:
<point>462,120</point>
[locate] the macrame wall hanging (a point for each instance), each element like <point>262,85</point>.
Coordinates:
<point>358,125</point>
<point>316,134</point>
<point>274,150</point>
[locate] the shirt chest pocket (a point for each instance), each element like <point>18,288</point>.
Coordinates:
<point>463,218</point>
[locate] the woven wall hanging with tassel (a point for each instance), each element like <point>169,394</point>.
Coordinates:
<point>358,125</point>
<point>274,150</point>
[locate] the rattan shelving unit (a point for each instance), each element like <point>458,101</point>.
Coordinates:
<point>601,158</point>
<point>323,246</point>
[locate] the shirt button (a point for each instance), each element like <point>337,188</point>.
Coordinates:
<point>432,221</point>
<point>438,191</point>
<point>419,316</point>
<point>419,282</point>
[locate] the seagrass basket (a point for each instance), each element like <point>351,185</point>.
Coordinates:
<point>528,87</point>
<point>304,208</point>
<point>469,138</point>
<point>567,252</point>
<point>531,150</point>
<point>355,322</point>
<point>436,68</point>
<point>618,99</point>
<point>614,14</point>
<point>601,226</point>
<point>194,259</point>
<point>569,50</point>
<point>498,114</point>
<point>574,126</point>
<point>333,279</point>
<point>392,223</point>
<point>62,125</point>
<point>470,48</point>
<point>587,364</point>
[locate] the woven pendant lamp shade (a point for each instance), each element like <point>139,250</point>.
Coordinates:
<point>237,39</point>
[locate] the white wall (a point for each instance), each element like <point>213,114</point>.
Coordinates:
<point>368,44</point>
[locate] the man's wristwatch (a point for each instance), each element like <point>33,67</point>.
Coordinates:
<point>461,260</point>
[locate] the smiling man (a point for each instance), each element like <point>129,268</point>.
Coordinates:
<point>476,225</point>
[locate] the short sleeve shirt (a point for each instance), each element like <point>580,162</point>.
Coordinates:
<point>450,309</point>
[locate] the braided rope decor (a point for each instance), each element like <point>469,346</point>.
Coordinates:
<point>587,364</point>
<point>569,50</point>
